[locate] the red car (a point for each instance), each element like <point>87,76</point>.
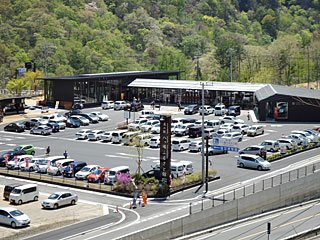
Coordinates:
<point>97,175</point>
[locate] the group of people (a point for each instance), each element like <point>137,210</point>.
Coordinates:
<point>65,154</point>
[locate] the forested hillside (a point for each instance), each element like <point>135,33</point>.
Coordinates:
<point>276,41</point>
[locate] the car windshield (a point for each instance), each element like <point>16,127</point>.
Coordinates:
<point>43,162</point>
<point>97,172</point>
<point>53,196</point>
<point>85,169</point>
<point>16,213</point>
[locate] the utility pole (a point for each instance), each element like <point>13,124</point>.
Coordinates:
<point>230,51</point>
<point>202,133</point>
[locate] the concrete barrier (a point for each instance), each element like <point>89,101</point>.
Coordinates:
<point>296,191</point>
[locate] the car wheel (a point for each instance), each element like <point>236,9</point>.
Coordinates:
<point>199,150</point>
<point>42,133</point>
<point>13,225</point>
<point>20,202</point>
<point>222,122</point>
<point>55,206</point>
<point>272,150</point>
<point>241,165</point>
<point>210,153</point>
<point>33,152</point>
<point>35,198</point>
<point>158,145</point>
<point>73,202</point>
<point>17,130</point>
<point>181,149</point>
<point>259,168</point>
<point>31,132</point>
<point>30,169</point>
<point>262,132</point>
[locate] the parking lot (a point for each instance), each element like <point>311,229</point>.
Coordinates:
<point>47,219</point>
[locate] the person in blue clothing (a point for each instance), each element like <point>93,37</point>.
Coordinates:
<point>65,154</point>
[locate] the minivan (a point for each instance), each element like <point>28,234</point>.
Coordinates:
<point>111,175</point>
<point>213,124</point>
<point>73,168</point>
<point>234,111</point>
<point>177,169</point>
<point>219,110</point>
<point>8,189</point>
<point>24,193</point>
<point>117,136</point>
<point>127,138</point>
<point>253,161</point>
<point>180,144</point>
<point>271,145</point>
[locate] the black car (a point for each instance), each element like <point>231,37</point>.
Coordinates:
<point>87,116</point>
<point>53,126</point>
<point>14,127</point>
<point>188,120</point>
<point>136,106</point>
<point>191,109</point>
<point>73,112</point>
<point>11,155</point>
<point>73,123</point>
<point>153,173</point>
<point>195,131</point>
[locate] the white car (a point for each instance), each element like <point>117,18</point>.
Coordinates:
<point>206,110</point>
<point>195,146</point>
<point>143,139</point>
<point>155,129</point>
<point>83,134</point>
<point>57,117</point>
<point>287,143</point>
<point>221,132</point>
<point>29,165</point>
<point>233,135</point>
<point>95,135</point>
<point>148,125</point>
<point>101,116</point>
<point>85,171</point>
<point>84,121</point>
<point>137,123</point>
<point>220,109</point>
<point>13,217</point>
<point>58,199</point>
<point>230,119</point>
<point>16,162</point>
<point>313,138</point>
<point>39,121</point>
<point>227,126</point>
<point>42,165</point>
<point>41,129</point>
<point>58,166</point>
<point>154,142</point>
<point>301,140</point>
<point>120,105</point>
<point>107,105</point>
<point>255,130</point>
<point>106,136</point>
<point>180,144</point>
<point>271,145</point>
<point>242,128</point>
<point>62,125</point>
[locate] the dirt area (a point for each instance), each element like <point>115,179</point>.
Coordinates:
<point>47,219</point>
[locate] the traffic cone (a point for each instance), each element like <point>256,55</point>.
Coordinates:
<point>130,205</point>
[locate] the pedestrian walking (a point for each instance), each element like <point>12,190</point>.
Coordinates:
<point>152,104</point>
<point>179,106</point>
<point>248,116</point>
<point>48,151</point>
<point>65,154</point>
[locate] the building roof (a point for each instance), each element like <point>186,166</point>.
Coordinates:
<point>113,75</point>
<point>196,85</point>
<point>271,90</point>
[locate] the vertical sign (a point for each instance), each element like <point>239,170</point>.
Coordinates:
<point>165,148</point>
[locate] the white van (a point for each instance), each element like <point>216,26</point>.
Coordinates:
<point>220,109</point>
<point>111,175</point>
<point>188,167</point>
<point>24,193</point>
<point>177,169</point>
<point>215,124</point>
<point>107,105</point>
<point>128,137</point>
<point>180,144</point>
<point>117,136</point>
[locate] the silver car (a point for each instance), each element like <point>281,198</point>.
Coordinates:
<point>42,129</point>
<point>13,217</point>
<point>253,161</point>
<point>58,199</point>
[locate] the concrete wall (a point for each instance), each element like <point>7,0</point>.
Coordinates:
<point>287,194</point>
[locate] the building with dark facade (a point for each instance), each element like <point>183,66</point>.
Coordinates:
<point>92,89</point>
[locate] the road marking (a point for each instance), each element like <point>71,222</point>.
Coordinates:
<point>276,125</point>
<point>270,130</point>
<point>11,144</point>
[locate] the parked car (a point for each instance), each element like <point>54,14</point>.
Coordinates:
<point>16,162</point>
<point>154,142</point>
<point>73,168</point>
<point>215,151</point>
<point>25,149</point>
<point>255,130</point>
<point>24,193</point>
<point>148,125</point>
<point>255,150</point>
<point>29,164</point>
<point>106,136</point>
<point>300,139</point>
<point>221,132</point>
<point>97,175</point>
<point>120,105</point>
<point>227,126</point>
<point>41,165</point>
<point>153,173</point>
<point>287,143</point>
<point>86,171</point>
<point>215,124</point>
<point>183,130</point>
<point>54,126</point>
<point>233,135</point>
<point>10,155</point>
<point>83,134</point>
<point>142,139</point>
<point>54,117</point>
<point>230,119</point>
<point>14,127</point>
<point>195,131</point>
<point>242,128</point>
<point>155,129</point>
<point>137,123</point>
<point>253,161</point>
<point>209,132</point>
<point>28,124</point>
<point>83,121</point>
<point>38,121</point>
<point>271,145</point>
<point>180,144</point>
<point>13,217</point>
<point>107,105</point>
<point>312,137</point>
<point>220,109</point>
<point>234,111</point>
<point>191,109</point>
<point>112,174</point>
<point>59,199</point>
<point>42,130</point>
<point>57,168</point>
<point>73,123</point>
<point>61,125</point>
<point>207,109</point>
<point>91,117</point>
<point>117,136</point>
<point>136,106</point>
<point>8,189</point>
<point>95,135</point>
<point>195,146</point>
<point>101,116</point>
